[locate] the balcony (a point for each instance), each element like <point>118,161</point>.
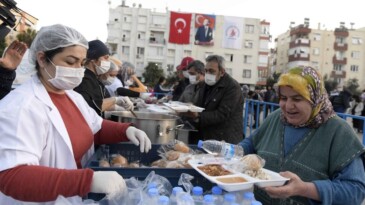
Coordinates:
<point>300,30</point>
<point>338,74</point>
<point>300,42</point>
<point>341,32</point>
<point>299,57</point>
<point>341,61</point>
<point>156,42</point>
<point>340,46</point>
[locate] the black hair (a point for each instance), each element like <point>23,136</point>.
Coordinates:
<point>198,65</point>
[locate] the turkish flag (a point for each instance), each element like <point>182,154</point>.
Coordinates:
<point>179,28</point>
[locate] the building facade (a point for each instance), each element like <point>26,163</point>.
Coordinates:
<point>140,36</point>
<point>337,54</point>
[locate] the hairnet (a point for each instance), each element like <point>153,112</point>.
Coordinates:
<point>53,37</point>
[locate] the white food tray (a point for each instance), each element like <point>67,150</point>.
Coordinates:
<point>275,178</point>
<point>183,107</point>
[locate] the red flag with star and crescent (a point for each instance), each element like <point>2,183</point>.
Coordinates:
<point>179,28</point>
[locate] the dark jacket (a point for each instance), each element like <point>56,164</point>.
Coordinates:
<point>179,89</point>
<point>222,118</point>
<point>93,91</point>
<point>6,81</point>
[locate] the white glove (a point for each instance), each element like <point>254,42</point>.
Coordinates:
<point>139,137</point>
<point>118,108</point>
<point>144,96</point>
<point>125,102</point>
<point>107,182</point>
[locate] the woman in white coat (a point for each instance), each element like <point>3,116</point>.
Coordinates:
<point>48,131</point>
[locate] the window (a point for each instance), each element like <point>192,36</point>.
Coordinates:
<point>228,57</point>
<point>246,73</point>
<point>340,40</point>
<point>355,54</point>
<point>316,37</point>
<point>187,53</point>
<point>249,28</point>
<point>337,67</point>
<point>315,51</point>
<point>116,20</point>
<point>171,52</point>
<point>354,68</point>
<point>315,64</point>
<point>248,44</point>
<point>140,50</point>
<point>247,59</point>
<point>265,30</point>
<point>125,50</point>
<point>356,40</point>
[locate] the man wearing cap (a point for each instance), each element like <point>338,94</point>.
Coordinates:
<point>91,88</point>
<point>183,75</point>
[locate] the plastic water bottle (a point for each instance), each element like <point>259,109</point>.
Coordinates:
<point>198,195</point>
<point>163,200</point>
<point>153,196</point>
<point>226,150</point>
<point>184,198</point>
<point>229,199</point>
<point>247,198</point>
<point>217,194</point>
<point>175,192</point>
<point>208,200</point>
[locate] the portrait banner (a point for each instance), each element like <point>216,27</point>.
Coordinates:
<point>204,25</point>
<point>179,28</point>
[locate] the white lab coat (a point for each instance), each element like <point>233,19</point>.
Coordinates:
<point>32,132</point>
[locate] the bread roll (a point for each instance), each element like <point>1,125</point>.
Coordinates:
<point>104,163</point>
<point>181,147</point>
<point>253,162</point>
<point>119,160</point>
<point>172,155</point>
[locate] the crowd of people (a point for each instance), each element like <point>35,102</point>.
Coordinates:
<point>51,123</point>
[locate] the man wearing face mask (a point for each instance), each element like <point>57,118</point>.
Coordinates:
<point>196,79</point>
<point>183,75</point>
<point>91,87</point>
<point>222,99</point>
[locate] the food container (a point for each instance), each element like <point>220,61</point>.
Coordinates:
<point>159,127</point>
<point>233,180</point>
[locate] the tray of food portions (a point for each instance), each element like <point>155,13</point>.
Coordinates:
<point>183,107</point>
<point>237,173</point>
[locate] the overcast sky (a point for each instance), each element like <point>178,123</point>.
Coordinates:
<point>91,16</point>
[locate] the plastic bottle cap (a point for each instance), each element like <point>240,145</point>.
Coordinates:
<point>152,185</point>
<point>197,190</point>
<point>229,197</point>
<point>248,195</point>
<point>216,190</point>
<point>200,143</point>
<point>208,198</point>
<point>256,203</point>
<point>153,192</point>
<point>176,190</point>
<point>163,199</point>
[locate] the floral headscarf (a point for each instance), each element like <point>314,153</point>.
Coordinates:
<point>308,83</point>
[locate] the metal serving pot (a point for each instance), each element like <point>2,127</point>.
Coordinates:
<point>160,128</point>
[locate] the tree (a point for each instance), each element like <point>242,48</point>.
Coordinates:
<point>352,85</point>
<point>152,74</point>
<point>270,81</point>
<point>27,36</point>
<point>329,84</point>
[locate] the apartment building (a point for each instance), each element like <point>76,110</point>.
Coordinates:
<point>141,36</point>
<point>338,53</point>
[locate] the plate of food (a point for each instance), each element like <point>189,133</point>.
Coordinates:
<point>237,174</point>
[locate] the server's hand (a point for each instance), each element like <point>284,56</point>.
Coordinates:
<point>107,182</point>
<point>139,137</point>
<point>125,102</point>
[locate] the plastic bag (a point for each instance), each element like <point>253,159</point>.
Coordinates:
<point>163,185</point>
<point>185,181</point>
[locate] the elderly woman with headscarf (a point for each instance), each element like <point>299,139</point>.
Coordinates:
<point>308,143</point>
<point>48,130</point>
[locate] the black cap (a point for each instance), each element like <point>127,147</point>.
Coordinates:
<point>97,49</point>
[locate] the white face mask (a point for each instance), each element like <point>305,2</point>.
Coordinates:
<point>66,78</point>
<point>103,68</point>
<point>210,79</point>
<point>109,80</point>
<point>192,79</point>
<point>186,74</point>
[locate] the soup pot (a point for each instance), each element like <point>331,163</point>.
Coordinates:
<point>160,128</point>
